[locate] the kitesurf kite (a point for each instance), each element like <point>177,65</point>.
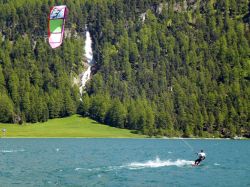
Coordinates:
<point>57,18</point>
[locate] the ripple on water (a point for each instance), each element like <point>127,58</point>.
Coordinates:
<point>120,162</point>
<point>12,151</point>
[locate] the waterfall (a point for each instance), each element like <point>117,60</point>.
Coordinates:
<point>88,48</point>
<point>85,75</point>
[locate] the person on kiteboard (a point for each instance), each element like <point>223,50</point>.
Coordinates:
<point>201,156</point>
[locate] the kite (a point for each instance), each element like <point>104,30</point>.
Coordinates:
<point>56,24</point>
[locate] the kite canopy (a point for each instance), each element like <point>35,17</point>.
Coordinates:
<point>57,18</point>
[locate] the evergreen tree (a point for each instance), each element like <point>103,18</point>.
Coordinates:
<point>6,109</point>
<point>171,67</point>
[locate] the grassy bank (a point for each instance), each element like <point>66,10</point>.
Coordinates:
<point>74,126</point>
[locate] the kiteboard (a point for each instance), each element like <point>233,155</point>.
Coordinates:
<point>195,164</point>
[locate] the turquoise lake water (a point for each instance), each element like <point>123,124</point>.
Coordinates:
<point>123,162</point>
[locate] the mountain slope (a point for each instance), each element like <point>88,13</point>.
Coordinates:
<point>175,68</point>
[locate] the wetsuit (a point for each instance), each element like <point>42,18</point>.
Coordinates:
<point>201,156</point>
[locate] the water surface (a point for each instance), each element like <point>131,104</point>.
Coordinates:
<point>123,162</point>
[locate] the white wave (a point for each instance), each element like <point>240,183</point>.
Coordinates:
<point>95,169</point>
<point>12,151</point>
<point>216,164</point>
<point>88,169</point>
<point>112,168</point>
<point>76,169</point>
<point>159,163</point>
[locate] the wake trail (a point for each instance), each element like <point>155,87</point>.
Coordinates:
<point>142,165</point>
<point>159,163</point>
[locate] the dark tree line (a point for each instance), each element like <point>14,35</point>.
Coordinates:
<point>36,81</point>
<point>174,68</point>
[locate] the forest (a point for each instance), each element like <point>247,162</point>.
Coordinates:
<point>162,67</point>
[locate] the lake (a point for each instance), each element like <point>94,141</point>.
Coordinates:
<point>123,162</point>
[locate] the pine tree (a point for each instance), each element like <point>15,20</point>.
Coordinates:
<point>2,81</point>
<point>6,109</point>
<point>116,115</point>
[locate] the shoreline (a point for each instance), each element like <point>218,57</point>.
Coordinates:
<point>146,138</point>
<point>76,126</point>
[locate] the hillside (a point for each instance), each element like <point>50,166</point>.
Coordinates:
<point>69,127</point>
<point>162,67</point>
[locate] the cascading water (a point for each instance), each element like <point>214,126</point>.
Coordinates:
<point>88,48</point>
<point>85,75</point>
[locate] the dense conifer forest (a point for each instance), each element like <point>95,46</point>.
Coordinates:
<point>162,67</point>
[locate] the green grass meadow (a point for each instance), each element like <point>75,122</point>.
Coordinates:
<point>70,127</point>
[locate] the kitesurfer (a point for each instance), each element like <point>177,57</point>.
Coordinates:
<point>201,156</point>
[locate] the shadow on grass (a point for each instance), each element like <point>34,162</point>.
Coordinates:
<point>131,131</point>
<point>98,123</point>
<point>135,132</point>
